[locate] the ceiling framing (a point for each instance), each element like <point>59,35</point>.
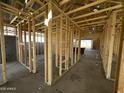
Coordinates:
<point>81,12</point>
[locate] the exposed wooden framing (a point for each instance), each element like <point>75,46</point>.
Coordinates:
<point>38,1</point>
<point>75,45</point>
<point>116,2</point>
<point>64,1</point>
<point>120,81</point>
<point>20,41</point>
<point>93,23</point>
<point>66,44</point>
<point>57,42</point>
<point>61,48</point>
<point>29,46</point>
<point>34,45</point>
<point>66,35</point>
<point>119,88</point>
<point>6,11</point>
<point>31,9</point>
<point>69,43</point>
<point>39,23</point>
<point>30,2</point>
<point>107,46</point>
<point>79,44</point>
<point>39,15</point>
<point>50,46</point>
<point>42,27</point>
<point>39,35</point>
<point>25,47</point>
<point>3,50</point>
<point>111,45</point>
<point>18,32</point>
<point>17,52</point>
<point>12,9</point>
<point>86,6</point>
<point>72,35</point>
<point>10,25</point>
<point>70,19</point>
<point>38,10</point>
<point>46,52</point>
<point>106,43</point>
<point>99,11</point>
<point>13,19</point>
<point>37,44</point>
<point>18,2</point>
<point>20,22</point>
<point>92,19</point>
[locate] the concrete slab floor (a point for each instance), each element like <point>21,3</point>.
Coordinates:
<point>87,76</point>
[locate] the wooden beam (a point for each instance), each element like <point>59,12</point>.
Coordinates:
<point>20,41</point>
<point>25,46</point>
<point>29,3</point>
<point>92,19</point>
<point>119,88</point>
<point>112,37</point>
<point>18,2</point>
<point>39,15</point>
<point>17,52</point>
<point>93,23</point>
<point>3,49</point>
<point>50,46</point>
<point>116,2</point>
<point>13,19</point>
<point>61,48</point>
<point>64,1</point>
<point>68,38</point>
<point>29,46</point>
<point>66,44</point>
<point>99,11</point>
<point>86,6</point>
<point>79,45</point>
<point>34,45</point>
<point>38,24</point>
<point>57,43</point>
<point>39,9</point>
<point>39,2</point>
<point>66,16</point>
<point>72,35</point>
<point>12,9</point>
<point>75,60</point>
<point>46,52</point>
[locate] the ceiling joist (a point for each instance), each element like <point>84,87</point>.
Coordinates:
<point>92,19</point>
<point>99,11</point>
<point>12,9</point>
<point>93,23</point>
<point>86,6</point>
<point>64,1</point>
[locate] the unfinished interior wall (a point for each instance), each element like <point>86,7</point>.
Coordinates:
<point>61,32</point>
<point>120,65</point>
<point>108,46</point>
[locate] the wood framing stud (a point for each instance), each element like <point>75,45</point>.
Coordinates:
<point>34,45</point>
<point>3,50</point>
